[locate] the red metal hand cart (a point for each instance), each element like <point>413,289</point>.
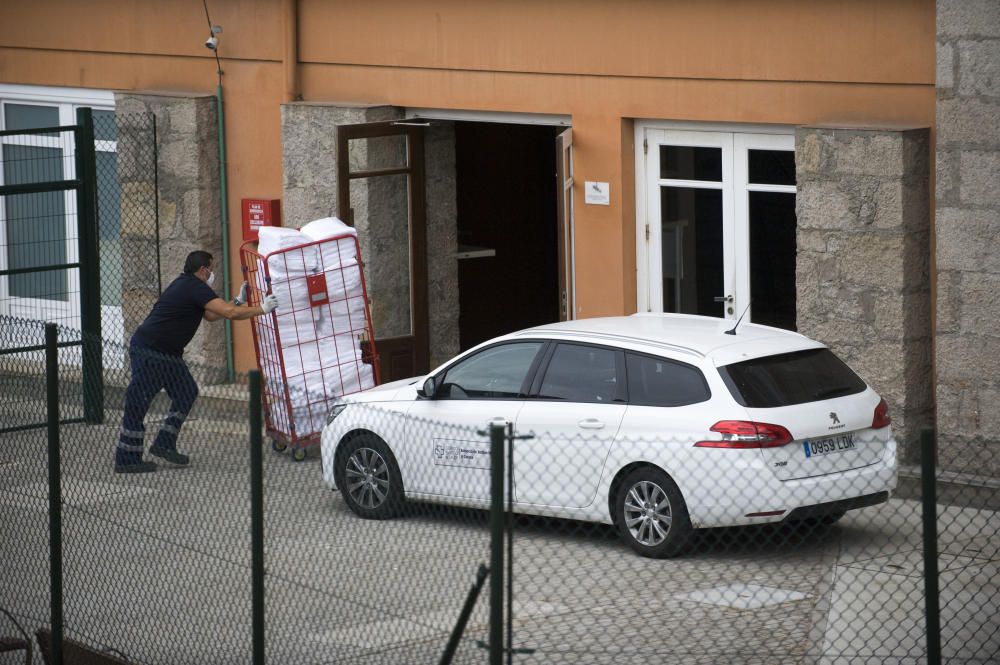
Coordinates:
<point>318,344</point>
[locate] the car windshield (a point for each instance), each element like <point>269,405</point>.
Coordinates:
<point>790,378</point>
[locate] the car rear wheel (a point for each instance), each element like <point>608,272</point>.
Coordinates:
<point>651,514</point>
<point>369,478</point>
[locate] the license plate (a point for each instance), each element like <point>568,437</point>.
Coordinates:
<point>829,445</point>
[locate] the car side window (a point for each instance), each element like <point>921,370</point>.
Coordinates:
<point>493,373</point>
<point>661,382</point>
<point>578,373</point>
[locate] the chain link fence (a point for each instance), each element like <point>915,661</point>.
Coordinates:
<point>608,538</point>
<point>158,567</point>
<point>128,225</point>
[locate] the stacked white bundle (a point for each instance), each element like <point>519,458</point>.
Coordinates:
<point>288,264</point>
<point>319,345</point>
<point>342,320</point>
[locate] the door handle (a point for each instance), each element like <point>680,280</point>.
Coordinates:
<point>591,423</point>
<point>725,299</point>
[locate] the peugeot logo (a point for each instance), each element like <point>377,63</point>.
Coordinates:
<point>834,418</point>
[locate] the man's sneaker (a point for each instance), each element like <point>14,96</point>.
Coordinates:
<point>171,456</point>
<point>135,467</point>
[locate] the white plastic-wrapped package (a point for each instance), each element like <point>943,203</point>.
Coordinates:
<point>348,378</point>
<point>342,317</point>
<point>340,349</point>
<point>297,326</point>
<point>327,227</point>
<point>311,395</point>
<point>272,238</point>
<point>309,419</point>
<point>334,254</point>
<point>292,295</point>
<point>297,261</point>
<point>302,358</point>
<point>344,281</point>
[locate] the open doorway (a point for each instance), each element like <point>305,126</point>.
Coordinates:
<point>508,268</point>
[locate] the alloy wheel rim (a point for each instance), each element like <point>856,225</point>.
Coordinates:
<point>647,513</point>
<point>367,478</point>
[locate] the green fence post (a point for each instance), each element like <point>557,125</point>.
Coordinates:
<point>256,518</point>
<point>90,277</point>
<point>932,605</point>
<point>55,492</point>
<point>496,543</point>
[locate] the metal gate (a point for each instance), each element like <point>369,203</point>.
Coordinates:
<point>68,213</point>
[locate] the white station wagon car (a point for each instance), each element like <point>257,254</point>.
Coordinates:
<point>656,423</point>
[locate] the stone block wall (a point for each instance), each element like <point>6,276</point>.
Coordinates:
<point>442,240</point>
<point>967,226</point>
<point>187,141</point>
<point>309,155</point>
<point>862,268</point>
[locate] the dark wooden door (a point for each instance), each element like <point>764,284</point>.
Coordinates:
<point>386,161</point>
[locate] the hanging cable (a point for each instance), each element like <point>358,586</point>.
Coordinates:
<point>223,191</point>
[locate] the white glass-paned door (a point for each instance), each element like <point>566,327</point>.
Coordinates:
<point>717,224</point>
<point>764,172</point>
<point>689,250</point>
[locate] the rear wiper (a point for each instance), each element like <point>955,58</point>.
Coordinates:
<point>832,392</point>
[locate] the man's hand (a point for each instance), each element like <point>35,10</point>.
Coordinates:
<point>242,297</point>
<point>270,303</point>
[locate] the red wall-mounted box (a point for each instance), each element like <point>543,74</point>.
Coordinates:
<point>258,213</point>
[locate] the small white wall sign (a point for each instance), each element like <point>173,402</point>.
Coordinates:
<point>598,193</point>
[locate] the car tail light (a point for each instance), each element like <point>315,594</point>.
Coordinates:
<point>881,418</point>
<point>742,434</point>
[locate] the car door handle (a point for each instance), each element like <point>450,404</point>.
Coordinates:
<point>591,423</point>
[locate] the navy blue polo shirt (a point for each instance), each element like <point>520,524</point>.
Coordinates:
<point>176,315</point>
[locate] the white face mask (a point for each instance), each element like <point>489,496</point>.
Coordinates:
<point>211,278</point>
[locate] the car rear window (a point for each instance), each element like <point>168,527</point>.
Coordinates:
<point>790,378</point>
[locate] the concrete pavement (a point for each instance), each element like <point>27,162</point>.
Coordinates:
<point>158,567</point>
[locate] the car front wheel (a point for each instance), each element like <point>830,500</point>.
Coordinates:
<point>651,514</point>
<point>369,478</point>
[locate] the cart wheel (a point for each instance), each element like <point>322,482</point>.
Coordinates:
<point>299,454</point>
<point>277,446</point>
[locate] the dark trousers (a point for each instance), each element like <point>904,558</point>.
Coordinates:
<point>152,372</point>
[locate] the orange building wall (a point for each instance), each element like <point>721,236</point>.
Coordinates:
<point>603,63</point>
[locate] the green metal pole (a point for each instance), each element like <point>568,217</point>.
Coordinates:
<point>55,493</point>
<point>931,597</point>
<point>509,525</point>
<point>256,518</point>
<point>496,543</point>
<point>90,277</point>
<point>224,200</point>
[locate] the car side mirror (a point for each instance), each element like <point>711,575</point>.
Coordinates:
<point>429,388</point>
